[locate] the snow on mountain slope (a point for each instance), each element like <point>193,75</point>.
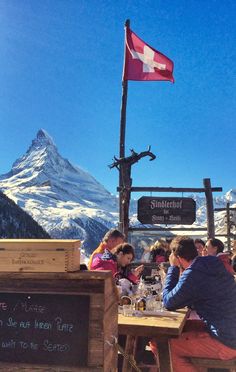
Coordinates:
<point>64,199</point>
<point>69,203</point>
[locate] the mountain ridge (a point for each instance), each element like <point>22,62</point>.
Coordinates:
<point>64,199</point>
<point>67,201</point>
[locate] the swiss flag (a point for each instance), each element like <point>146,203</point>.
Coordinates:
<point>142,62</point>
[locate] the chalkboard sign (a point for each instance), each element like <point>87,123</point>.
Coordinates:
<point>155,210</point>
<point>44,328</point>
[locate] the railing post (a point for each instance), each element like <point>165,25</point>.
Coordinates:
<point>209,208</point>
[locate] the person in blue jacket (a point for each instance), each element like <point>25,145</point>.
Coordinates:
<point>203,284</point>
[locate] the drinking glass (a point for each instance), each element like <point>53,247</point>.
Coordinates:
<point>128,310</point>
<point>157,305</point>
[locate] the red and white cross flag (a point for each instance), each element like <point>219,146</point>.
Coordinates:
<point>144,63</point>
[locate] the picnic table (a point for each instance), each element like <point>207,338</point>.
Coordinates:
<point>161,327</point>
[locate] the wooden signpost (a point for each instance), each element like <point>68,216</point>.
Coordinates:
<point>155,210</point>
<point>208,190</point>
<point>124,165</point>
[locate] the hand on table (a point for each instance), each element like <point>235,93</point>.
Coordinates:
<point>137,271</point>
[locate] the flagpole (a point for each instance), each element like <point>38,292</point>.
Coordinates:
<point>159,68</point>
<point>122,138</point>
<point>123,101</point>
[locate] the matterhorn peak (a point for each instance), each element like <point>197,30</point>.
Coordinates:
<point>41,151</point>
<point>42,139</point>
<point>65,200</point>
<point>42,166</point>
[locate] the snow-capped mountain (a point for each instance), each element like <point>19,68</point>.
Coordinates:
<point>69,203</point>
<point>64,199</point>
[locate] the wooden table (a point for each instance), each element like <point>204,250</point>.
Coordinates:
<point>162,328</point>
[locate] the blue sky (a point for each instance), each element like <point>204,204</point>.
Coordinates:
<point>60,70</point>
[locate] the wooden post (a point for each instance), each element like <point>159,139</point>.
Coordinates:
<point>228,225</point>
<point>209,208</point>
<point>125,193</point>
<point>123,218</point>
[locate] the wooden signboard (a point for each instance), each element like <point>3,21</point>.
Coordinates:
<point>43,327</point>
<point>58,322</point>
<point>155,210</point>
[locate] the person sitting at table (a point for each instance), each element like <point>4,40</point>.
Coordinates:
<point>112,238</point>
<point>215,247</point>
<point>210,289</point>
<point>200,245</point>
<point>118,261</point>
<point>159,252</point>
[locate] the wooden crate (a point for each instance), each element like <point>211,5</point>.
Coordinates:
<point>50,292</point>
<point>39,255</point>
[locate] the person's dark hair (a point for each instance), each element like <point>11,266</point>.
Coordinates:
<point>83,267</point>
<point>217,243</point>
<point>184,247</point>
<point>113,233</point>
<point>200,241</point>
<point>125,248</point>
<point>157,252</point>
<point>160,252</point>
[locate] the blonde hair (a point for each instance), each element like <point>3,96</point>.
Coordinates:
<point>160,244</point>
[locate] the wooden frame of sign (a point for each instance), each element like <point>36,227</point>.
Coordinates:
<point>167,210</point>
<point>58,322</point>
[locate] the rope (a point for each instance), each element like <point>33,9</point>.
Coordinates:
<point>129,358</point>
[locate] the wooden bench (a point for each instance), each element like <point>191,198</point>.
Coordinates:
<point>217,364</point>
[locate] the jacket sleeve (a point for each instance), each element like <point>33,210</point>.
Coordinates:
<point>179,291</point>
<point>100,265</point>
<point>133,278</point>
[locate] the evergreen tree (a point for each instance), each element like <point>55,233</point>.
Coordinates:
<point>16,223</point>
